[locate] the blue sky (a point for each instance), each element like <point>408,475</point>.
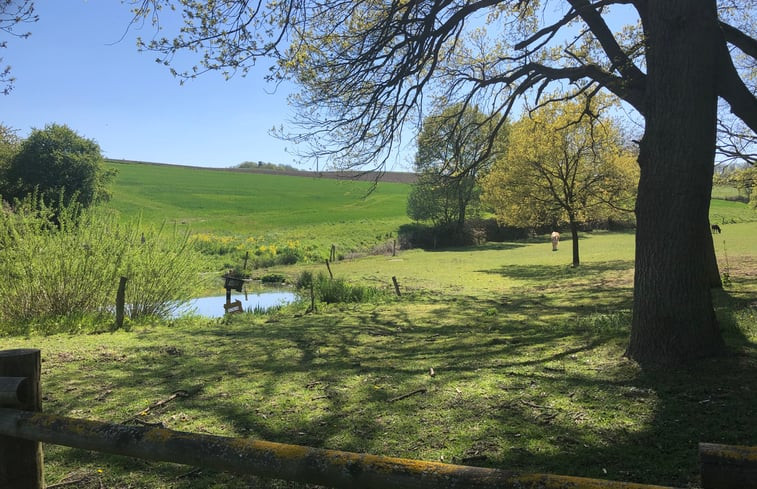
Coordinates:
<point>79,69</point>
<point>73,70</point>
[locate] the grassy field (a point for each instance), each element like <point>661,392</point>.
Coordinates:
<point>526,351</point>
<point>271,208</point>
<point>527,359</point>
<point>724,192</point>
<point>234,212</point>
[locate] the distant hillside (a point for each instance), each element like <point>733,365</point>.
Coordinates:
<point>388,177</point>
<point>227,201</point>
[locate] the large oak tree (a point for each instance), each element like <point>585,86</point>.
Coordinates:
<point>365,67</point>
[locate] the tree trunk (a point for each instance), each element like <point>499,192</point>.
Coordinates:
<point>673,317</point>
<point>712,262</point>
<point>574,235</point>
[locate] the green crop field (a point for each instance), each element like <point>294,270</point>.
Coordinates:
<point>232,212</point>
<point>250,204</point>
<point>235,202</point>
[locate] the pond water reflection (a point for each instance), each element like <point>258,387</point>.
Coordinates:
<point>212,307</point>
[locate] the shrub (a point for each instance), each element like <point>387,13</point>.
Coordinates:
<point>273,278</point>
<point>72,268</point>
<point>336,290</point>
<point>61,165</point>
<point>304,280</point>
<point>163,273</point>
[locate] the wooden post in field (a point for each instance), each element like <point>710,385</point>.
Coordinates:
<point>312,298</point>
<point>396,286</point>
<point>120,303</point>
<point>329,268</point>
<point>332,255</point>
<point>21,460</point>
<point>394,248</point>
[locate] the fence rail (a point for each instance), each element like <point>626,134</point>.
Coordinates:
<point>728,466</point>
<point>291,462</point>
<point>26,427</point>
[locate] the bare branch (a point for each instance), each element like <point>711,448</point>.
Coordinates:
<point>731,87</point>
<point>12,14</point>
<point>599,29</point>
<point>745,43</point>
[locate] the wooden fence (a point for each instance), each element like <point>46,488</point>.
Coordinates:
<point>23,427</point>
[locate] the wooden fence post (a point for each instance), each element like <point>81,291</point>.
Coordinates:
<point>120,303</point>
<point>396,286</point>
<point>21,460</point>
<point>728,466</point>
<point>328,266</point>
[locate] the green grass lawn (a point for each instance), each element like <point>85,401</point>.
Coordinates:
<point>527,354</point>
<point>729,212</point>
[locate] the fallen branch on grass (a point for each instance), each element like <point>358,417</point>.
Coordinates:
<point>533,405</point>
<point>69,483</point>
<point>403,396</point>
<point>163,402</point>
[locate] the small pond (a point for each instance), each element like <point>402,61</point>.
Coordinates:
<point>212,307</point>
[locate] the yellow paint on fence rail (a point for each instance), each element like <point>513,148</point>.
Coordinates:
<point>275,460</point>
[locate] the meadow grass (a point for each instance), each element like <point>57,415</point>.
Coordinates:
<point>252,204</point>
<point>725,192</point>
<point>730,212</point>
<point>233,213</point>
<point>527,360</point>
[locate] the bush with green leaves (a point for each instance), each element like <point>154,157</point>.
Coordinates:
<point>58,272</point>
<point>336,290</point>
<point>57,161</point>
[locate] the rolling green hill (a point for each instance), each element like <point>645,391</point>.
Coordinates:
<point>248,203</point>
<point>731,212</point>
<point>272,209</point>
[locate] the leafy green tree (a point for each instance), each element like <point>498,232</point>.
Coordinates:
<point>367,68</point>
<point>555,169</point>
<point>58,163</point>
<point>453,150</point>
<point>9,143</point>
<point>744,178</point>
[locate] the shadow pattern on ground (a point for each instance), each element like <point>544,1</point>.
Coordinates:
<point>527,381</point>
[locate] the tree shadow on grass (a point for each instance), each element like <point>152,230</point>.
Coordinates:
<point>530,381</point>
<point>488,246</point>
<point>712,400</point>
<point>547,273</point>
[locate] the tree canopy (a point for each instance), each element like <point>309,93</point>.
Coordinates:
<point>367,68</point>
<point>448,162</point>
<point>9,142</point>
<point>57,163</point>
<point>563,165</point>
